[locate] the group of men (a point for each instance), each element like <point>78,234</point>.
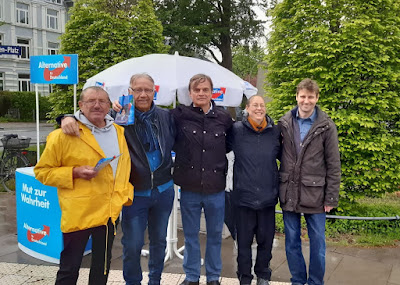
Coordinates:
<point>310,178</point>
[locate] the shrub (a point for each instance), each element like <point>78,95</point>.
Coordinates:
<point>25,102</point>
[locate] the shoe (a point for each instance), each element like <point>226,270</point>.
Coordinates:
<point>261,281</point>
<point>214,282</point>
<point>187,282</point>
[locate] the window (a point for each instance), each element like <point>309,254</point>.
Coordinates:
<point>52,19</point>
<point>24,82</point>
<point>24,44</point>
<point>52,48</point>
<point>1,81</point>
<point>1,39</point>
<point>22,13</point>
<point>55,1</point>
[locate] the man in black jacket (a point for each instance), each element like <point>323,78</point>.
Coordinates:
<point>200,169</point>
<point>150,142</point>
<point>309,181</point>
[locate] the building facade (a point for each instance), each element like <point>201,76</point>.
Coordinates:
<point>35,26</point>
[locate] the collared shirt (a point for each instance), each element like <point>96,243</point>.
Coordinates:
<point>211,107</point>
<point>154,158</point>
<point>305,124</point>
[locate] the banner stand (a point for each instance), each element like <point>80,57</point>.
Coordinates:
<point>74,98</point>
<point>37,123</point>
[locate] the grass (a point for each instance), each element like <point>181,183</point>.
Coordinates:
<point>362,233</point>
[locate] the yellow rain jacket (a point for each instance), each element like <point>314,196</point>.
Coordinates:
<point>85,203</point>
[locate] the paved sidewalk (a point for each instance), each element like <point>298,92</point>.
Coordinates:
<point>19,274</point>
<point>344,265</point>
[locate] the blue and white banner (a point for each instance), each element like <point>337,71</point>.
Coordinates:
<point>54,69</point>
<point>38,217</point>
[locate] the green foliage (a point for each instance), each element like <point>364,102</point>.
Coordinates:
<point>197,28</point>
<point>103,33</point>
<point>25,102</point>
<point>362,232</point>
<point>246,60</point>
<point>352,49</point>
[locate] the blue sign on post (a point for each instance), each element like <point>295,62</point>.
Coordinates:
<point>54,69</point>
<point>14,50</point>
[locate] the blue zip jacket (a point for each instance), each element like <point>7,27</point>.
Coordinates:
<point>255,170</point>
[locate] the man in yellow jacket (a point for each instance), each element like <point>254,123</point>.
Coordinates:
<point>90,198</point>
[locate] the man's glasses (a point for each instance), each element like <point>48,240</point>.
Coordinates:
<point>139,91</point>
<point>102,103</point>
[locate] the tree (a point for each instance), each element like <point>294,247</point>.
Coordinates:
<point>352,49</point>
<point>246,59</point>
<point>103,33</point>
<point>197,28</point>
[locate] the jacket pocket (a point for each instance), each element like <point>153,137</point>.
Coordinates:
<point>283,185</point>
<point>312,191</point>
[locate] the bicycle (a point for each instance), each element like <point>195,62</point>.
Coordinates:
<point>13,157</point>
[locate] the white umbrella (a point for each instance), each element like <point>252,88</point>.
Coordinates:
<point>171,74</point>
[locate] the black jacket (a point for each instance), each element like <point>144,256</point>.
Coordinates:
<point>141,176</point>
<point>255,171</point>
<point>200,163</point>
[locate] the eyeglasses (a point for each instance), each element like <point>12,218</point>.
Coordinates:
<point>139,91</point>
<point>102,103</point>
<point>255,106</point>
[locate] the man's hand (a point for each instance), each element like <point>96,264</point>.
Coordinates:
<point>85,172</point>
<point>70,126</point>
<point>116,106</point>
<point>328,208</point>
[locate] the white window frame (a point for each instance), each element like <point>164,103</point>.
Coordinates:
<point>25,48</point>
<point>55,1</point>
<point>52,50</point>
<point>21,11</point>
<point>52,20</point>
<point>24,83</point>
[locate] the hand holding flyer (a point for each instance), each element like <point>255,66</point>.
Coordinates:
<point>127,114</point>
<point>104,162</point>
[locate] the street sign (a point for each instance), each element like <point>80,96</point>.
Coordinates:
<point>13,50</point>
<point>54,69</point>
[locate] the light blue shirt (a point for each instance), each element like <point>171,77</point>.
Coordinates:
<point>305,124</point>
<point>154,158</point>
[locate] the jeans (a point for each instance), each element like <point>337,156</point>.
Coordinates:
<point>316,233</point>
<point>261,223</point>
<point>74,247</point>
<point>214,210</point>
<point>152,212</point>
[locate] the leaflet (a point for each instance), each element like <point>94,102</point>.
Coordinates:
<point>104,162</point>
<point>127,114</point>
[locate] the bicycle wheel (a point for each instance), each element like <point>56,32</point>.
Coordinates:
<point>7,169</point>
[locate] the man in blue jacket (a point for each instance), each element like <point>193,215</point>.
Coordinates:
<point>150,142</point>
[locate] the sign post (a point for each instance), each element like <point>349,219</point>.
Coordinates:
<point>53,69</point>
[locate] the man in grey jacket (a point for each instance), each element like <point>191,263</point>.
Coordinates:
<point>310,180</point>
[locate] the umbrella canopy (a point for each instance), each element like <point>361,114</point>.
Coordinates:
<point>171,74</point>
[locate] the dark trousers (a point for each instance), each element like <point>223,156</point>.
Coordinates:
<point>74,247</point>
<point>260,223</point>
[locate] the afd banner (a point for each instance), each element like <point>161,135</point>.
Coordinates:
<point>38,217</point>
<point>54,69</point>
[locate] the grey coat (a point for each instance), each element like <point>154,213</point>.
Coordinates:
<point>310,179</point>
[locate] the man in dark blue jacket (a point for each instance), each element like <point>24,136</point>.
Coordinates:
<point>150,142</point>
<point>200,169</point>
